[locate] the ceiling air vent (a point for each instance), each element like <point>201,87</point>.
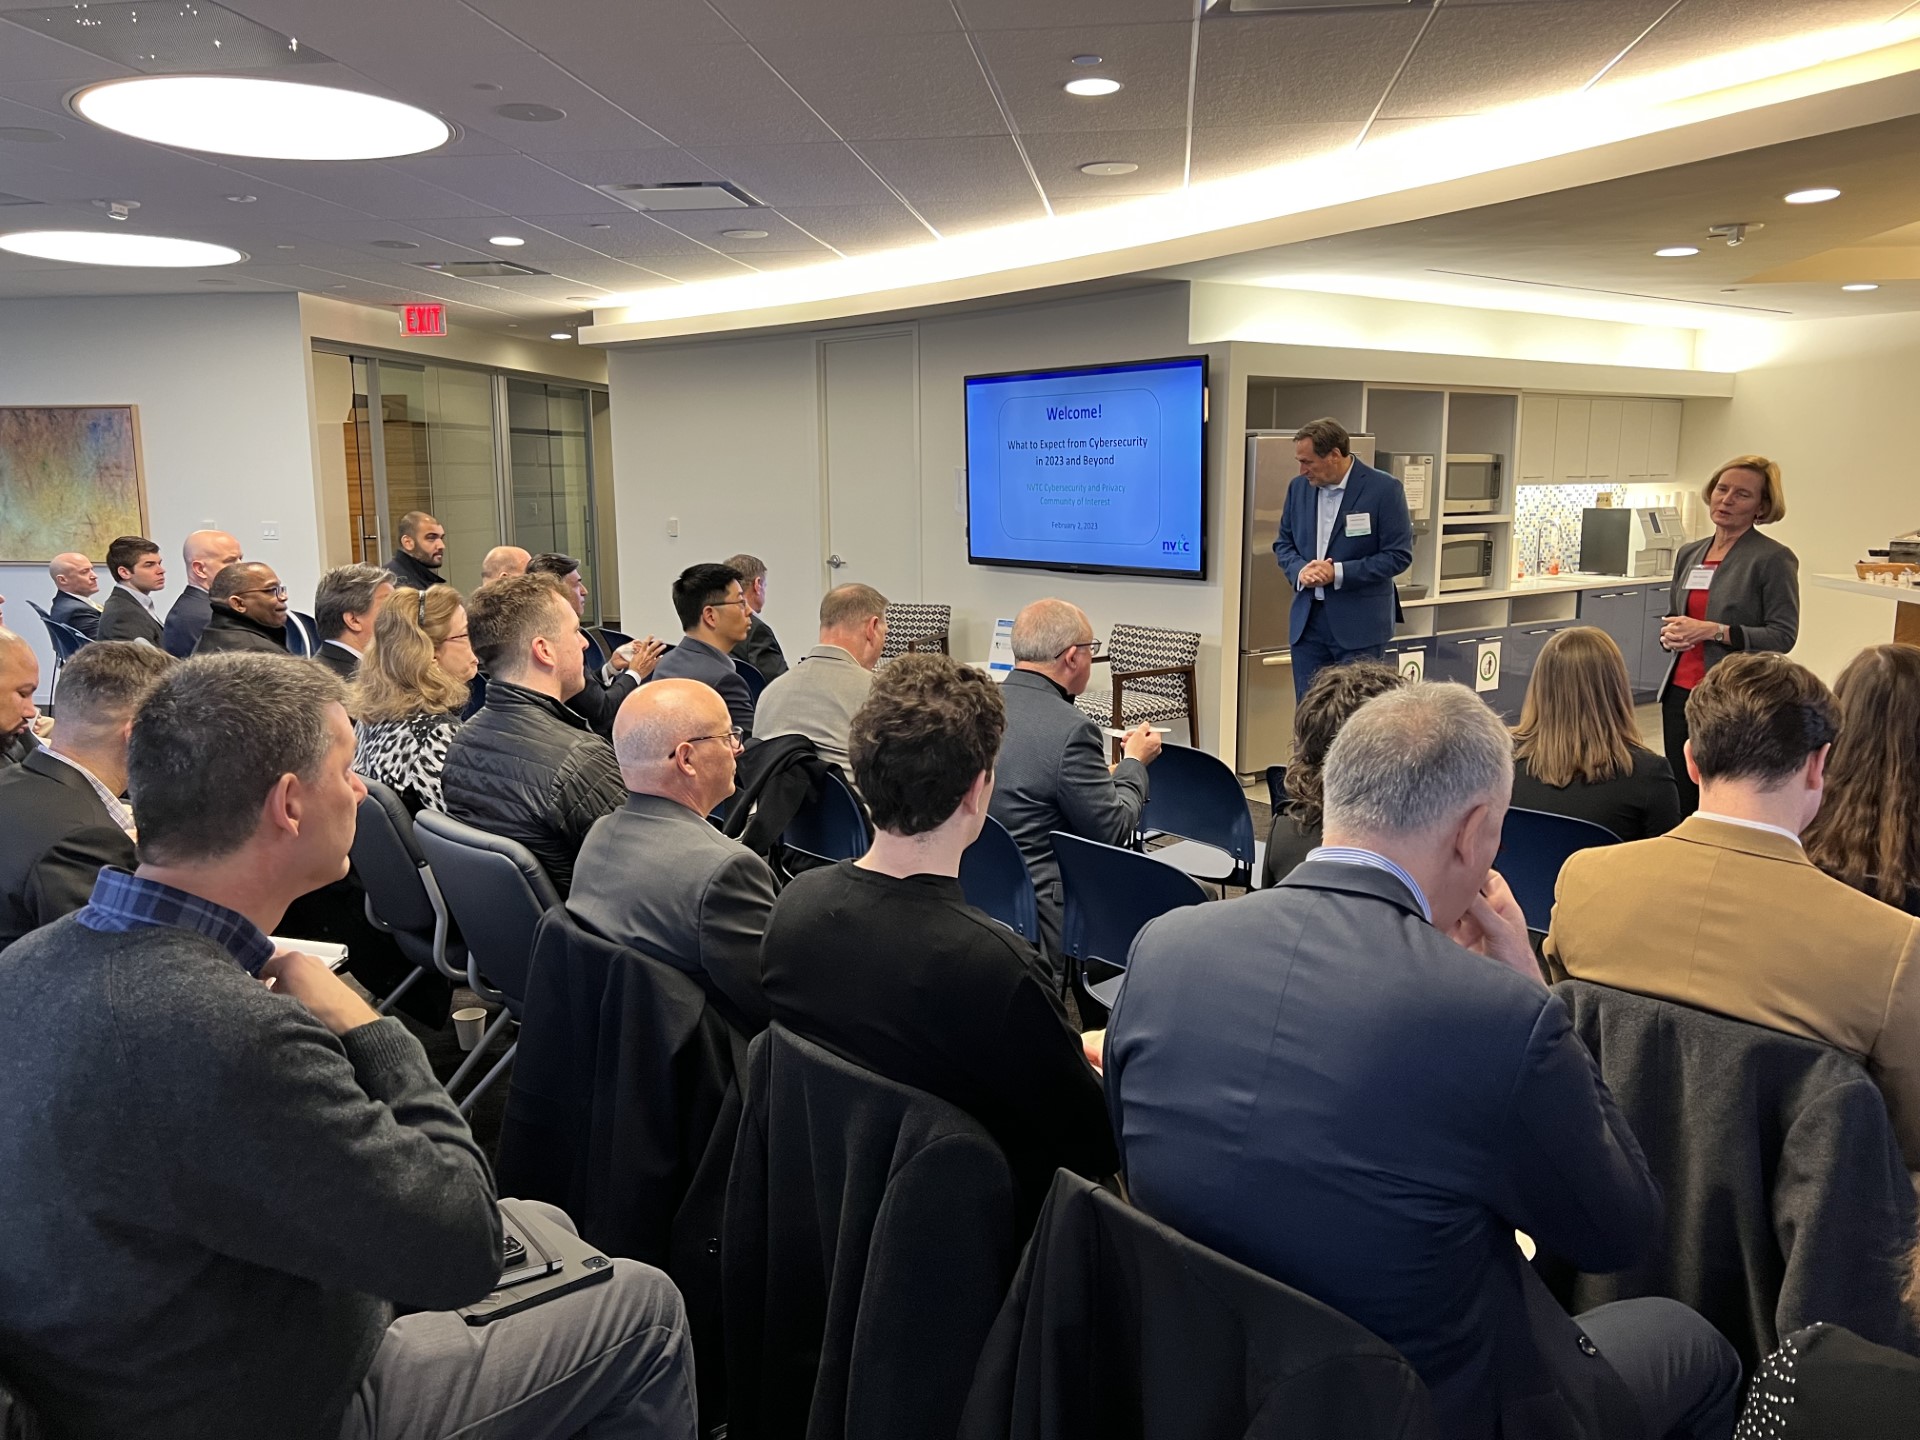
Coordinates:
<point>195,38</point>
<point>681,195</point>
<point>478,269</point>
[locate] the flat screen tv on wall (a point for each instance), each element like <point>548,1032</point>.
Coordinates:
<point>1099,469</point>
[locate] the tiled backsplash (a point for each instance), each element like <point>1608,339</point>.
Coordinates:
<point>1546,524</point>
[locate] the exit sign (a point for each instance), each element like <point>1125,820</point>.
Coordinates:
<point>423,320</point>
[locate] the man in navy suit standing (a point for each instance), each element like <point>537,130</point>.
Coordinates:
<point>1344,535</point>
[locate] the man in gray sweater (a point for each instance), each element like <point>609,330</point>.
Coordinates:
<point>221,1172</point>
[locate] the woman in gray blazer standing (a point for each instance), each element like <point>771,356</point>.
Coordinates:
<point>1734,590</point>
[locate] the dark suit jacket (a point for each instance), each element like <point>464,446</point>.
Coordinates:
<point>1052,775</point>
<point>693,659</point>
<point>1315,1082</point>
<point>1362,609</point>
<point>761,649</point>
<point>125,618</point>
<point>598,703</point>
<point>187,622</point>
<point>72,610</point>
<point>657,878</point>
<point>340,659</point>
<point>54,837</point>
<point>1755,594</point>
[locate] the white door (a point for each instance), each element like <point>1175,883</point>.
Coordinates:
<point>870,444</point>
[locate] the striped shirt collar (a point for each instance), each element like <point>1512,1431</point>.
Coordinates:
<point>1353,855</point>
<point>122,902</point>
<point>116,809</point>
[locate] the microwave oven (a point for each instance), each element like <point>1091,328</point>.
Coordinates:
<point>1466,560</point>
<point>1472,485</point>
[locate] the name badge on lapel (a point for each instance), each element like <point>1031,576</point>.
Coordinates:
<point>1360,524</point>
<point>1700,578</point>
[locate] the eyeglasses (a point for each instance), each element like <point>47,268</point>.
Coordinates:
<point>451,638</point>
<point>279,592</point>
<point>1086,645</point>
<point>741,602</point>
<point>731,735</point>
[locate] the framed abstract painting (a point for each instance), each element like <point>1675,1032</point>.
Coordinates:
<point>70,479</point>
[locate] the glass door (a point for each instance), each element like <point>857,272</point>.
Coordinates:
<point>437,432</point>
<point>550,476</point>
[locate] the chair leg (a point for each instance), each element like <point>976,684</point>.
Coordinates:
<point>385,1007</point>
<point>466,1066</point>
<point>466,1105</point>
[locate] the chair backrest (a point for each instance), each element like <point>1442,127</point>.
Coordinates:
<point>1787,1199</point>
<point>66,640</point>
<point>1197,797</point>
<point>614,639</point>
<point>830,828</point>
<point>756,682</point>
<point>497,892</point>
<point>995,878</point>
<point>303,634</point>
<point>1143,647</point>
<point>1276,787</point>
<point>912,624</point>
<point>1111,894</point>
<point>394,873</point>
<point>1533,847</point>
<point>869,1239</point>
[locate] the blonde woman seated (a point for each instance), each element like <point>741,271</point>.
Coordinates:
<point>410,691</point>
<point>1577,750</point>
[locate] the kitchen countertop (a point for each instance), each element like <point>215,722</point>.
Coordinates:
<point>1853,585</point>
<point>1543,585</point>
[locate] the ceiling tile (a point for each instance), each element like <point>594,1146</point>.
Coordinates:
<point>585,25</point>
<point>1291,69</point>
<point>713,94</point>
<point>1093,17</point>
<point>959,218</point>
<point>1222,153</point>
<point>627,237</point>
<point>782,233</point>
<point>1701,28</point>
<point>1479,57</point>
<point>1160,154</point>
<point>28,54</point>
<point>899,87</point>
<point>974,167</point>
<point>1150,62</point>
<point>860,229</point>
<point>508,183</point>
<point>762,20</point>
<point>781,175</point>
<point>372,187</point>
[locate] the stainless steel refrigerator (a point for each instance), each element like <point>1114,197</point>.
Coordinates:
<point>1266,670</point>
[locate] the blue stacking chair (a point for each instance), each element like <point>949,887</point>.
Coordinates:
<point>1533,847</point>
<point>303,634</point>
<point>66,641</point>
<point>1276,787</point>
<point>1196,797</point>
<point>614,638</point>
<point>497,893</point>
<point>756,682</point>
<point>1111,894</point>
<point>830,828</point>
<point>994,875</point>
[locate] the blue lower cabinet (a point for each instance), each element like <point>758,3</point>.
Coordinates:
<point>1405,655</point>
<point>1519,653</point>
<point>1466,660</point>
<point>1652,664</point>
<point>1622,613</point>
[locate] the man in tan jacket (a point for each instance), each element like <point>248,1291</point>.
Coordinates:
<point>1726,913</point>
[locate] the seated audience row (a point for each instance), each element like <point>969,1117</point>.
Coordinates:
<point>713,611</point>
<point>761,649</point>
<point>817,698</point>
<point>238,1201</point>
<point>409,691</point>
<point>1868,830</point>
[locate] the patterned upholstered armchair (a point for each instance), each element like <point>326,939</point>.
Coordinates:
<point>1153,679</point>
<point>916,628</point>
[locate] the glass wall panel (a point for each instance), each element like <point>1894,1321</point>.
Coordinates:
<point>437,422</point>
<point>551,476</point>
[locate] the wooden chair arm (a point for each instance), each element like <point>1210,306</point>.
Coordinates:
<point>1120,675</point>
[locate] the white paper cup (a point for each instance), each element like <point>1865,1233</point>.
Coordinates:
<point>470,1026</point>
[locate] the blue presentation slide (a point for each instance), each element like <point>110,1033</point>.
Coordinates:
<point>1091,469</point>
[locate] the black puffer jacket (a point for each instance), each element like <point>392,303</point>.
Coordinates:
<point>228,631</point>
<point>527,768</point>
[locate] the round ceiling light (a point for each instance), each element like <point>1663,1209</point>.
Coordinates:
<point>1677,252</point>
<point>1861,286</point>
<point>118,247</point>
<point>1109,167</point>
<point>265,119</point>
<point>560,335</point>
<point>1813,197</point>
<point>1092,85</point>
<point>505,240</point>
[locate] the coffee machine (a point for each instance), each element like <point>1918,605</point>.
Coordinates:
<point>1640,542</point>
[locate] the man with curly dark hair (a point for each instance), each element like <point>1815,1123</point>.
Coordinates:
<point>882,960</point>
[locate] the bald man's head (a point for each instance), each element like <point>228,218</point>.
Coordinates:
<point>73,574</point>
<point>674,738</point>
<point>207,553</point>
<point>19,678</point>
<point>501,561</point>
<point>1055,638</point>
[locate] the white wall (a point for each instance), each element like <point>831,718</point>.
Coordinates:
<point>1832,403</point>
<point>221,384</point>
<point>725,437</point>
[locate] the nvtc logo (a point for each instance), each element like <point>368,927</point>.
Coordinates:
<point>1176,547</point>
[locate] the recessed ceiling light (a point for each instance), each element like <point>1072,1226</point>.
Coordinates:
<point>533,114</point>
<point>1092,85</point>
<point>1086,59</point>
<point>1676,252</point>
<point>584,299</point>
<point>505,240</point>
<point>599,225</point>
<point>744,234</point>
<point>395,244</point>
<point>117,247</point>
<point>283,247</point>
<point>1861,286</point>
<point>1109,167</point>
<point>267,119</point>
<point>241,199</point>
<point>1814,196</point>
<point>560,335</point>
